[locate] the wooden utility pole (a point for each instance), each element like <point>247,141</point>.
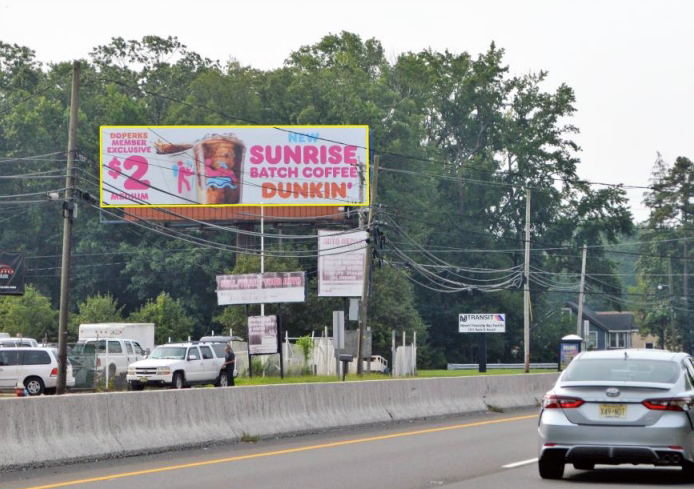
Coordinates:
<point>367,270</point>
<point>68,214</point>
<point>526,286</point>
<point>581,296</point>
<point>671,288</point>
<point>685,296</point>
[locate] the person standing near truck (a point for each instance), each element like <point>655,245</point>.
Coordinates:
<point>229,364</point>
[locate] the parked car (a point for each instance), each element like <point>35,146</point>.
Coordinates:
<point>619,407</point>
<point>178,365</point>
<point>9,342</point>
<point>120,354</point>
<point>34,367</point>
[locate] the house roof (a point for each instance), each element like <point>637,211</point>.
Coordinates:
<point>608,320</point>
<point>617,321</point>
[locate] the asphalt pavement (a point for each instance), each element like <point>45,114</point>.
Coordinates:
<point>487,451</point>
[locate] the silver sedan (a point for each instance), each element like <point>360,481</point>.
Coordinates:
<point>619,407</point>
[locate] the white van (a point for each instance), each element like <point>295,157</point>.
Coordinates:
<point>120,353</point>
<point>35,368</point>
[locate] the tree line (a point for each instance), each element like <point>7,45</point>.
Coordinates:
<point>460,140</point>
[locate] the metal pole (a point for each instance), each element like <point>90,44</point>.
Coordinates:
<point>392,356</point>
<point>414,353</point>
<point>68,213</point>
<point>248,347</point>
<point>483,353</point>
<point>526,286</point>
<point>367,271</point>
<point>262,249</point>
<point>279,335</point>
<point>581,296</point>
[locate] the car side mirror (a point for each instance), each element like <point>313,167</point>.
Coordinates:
<point>192,357</point>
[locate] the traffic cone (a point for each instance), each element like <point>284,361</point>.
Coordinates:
<point>19,389</point>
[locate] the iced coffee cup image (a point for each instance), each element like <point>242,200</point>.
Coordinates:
<point>219,164</point>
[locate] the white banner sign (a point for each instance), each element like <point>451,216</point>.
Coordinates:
<point>257,288</point>
<point>229,165</point>
<point>262,335</point>
<point>341,263</point>
<point>482,323</point>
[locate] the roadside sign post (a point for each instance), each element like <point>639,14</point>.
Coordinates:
<point>482,323</point>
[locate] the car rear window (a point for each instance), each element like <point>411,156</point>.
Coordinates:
<point>219,349</point>
<point>621,370</point>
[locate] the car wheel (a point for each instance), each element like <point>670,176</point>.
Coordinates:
<point>551,466</point>
<point>177,381</point>
<point>584,466</point>
<point>223,380</point>
<point>34,386</point>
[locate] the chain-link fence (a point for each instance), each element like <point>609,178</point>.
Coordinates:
<point>95,368</point>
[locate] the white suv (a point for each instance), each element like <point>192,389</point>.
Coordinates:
<point>35,368</point>
<point>178,365</point>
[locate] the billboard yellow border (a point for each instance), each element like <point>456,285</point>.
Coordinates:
<point>367,188</point>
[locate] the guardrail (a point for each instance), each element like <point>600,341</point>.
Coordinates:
<point>52,430</point>
<point>498,366</point>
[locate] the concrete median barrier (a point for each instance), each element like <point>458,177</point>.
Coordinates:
<point>50,430</point>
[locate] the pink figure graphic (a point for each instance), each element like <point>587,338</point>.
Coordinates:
<point>183,173</point>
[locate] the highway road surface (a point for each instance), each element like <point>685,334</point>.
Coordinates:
<point>486,451</point>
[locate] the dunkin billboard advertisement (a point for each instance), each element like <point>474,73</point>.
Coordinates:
<point>162,166</point>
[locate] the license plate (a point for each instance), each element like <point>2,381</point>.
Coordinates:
<point>613,411</point>
<point>143,379</point>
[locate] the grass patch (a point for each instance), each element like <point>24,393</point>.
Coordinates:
<point>248,438</point>
<point>471,373</point>
<point>301,379</point>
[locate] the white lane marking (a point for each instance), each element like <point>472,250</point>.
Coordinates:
<point>519,464</point>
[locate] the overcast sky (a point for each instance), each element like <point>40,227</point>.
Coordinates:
<point>631,63</point>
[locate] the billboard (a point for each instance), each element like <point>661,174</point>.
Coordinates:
<point>261,288</point>
<point>341,258</point>
<point>165,166</point>
<point>11,273</point>
<point>262,335</point>
<point>482,323</point>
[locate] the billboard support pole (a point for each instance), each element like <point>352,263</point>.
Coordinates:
<point>367,271</point>
<point>279,339</point>
<point>68,215</point>
<point>248,347</point>
<point>262,248</point>
<point>483,353</point>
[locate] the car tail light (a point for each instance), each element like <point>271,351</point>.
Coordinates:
<point>98,362</point>
<point>54,372</point>
<point>560,402</point>
<point>672,404</point>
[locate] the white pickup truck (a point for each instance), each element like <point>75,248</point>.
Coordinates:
<point>178,365</point>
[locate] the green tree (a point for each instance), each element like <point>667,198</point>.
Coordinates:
<point>30,315</point>
<point>96,309</point>
<point>169,317</point>
<point>666,252</point>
